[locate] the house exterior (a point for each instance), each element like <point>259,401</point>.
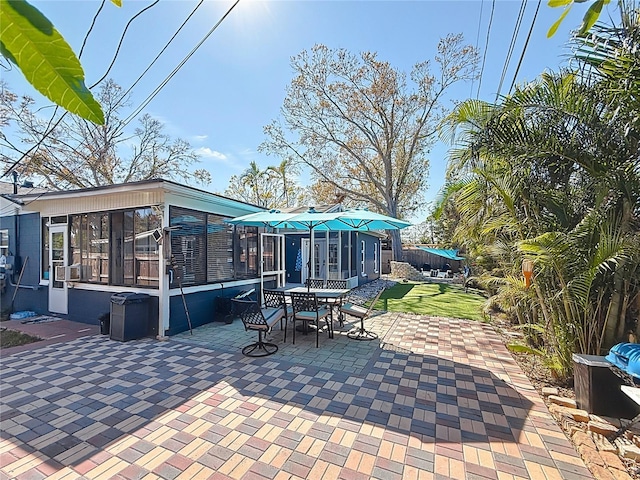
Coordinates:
<point>350,255</point>
<point>68,253</point>
<point>355,256</point>
<point>75,249</point>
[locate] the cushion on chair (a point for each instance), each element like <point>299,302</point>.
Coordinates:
<point>272,315</point>
<point>311,316</point>
<point>352,309</point>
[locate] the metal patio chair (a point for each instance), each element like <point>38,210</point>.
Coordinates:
<point>315,283</point>
<point>277,299</point>
<point>307,310</point>
<point>361,312</point>
<point>261,320</point>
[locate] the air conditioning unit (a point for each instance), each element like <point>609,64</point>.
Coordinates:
<point>70,273</point>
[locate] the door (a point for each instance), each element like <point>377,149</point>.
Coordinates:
<point>273,259</point>
<point>319,269</point>
<point>58,248</point>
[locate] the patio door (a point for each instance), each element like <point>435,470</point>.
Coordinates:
<point>319,268</point>
<point>58,248</point>
<point>273,259</point>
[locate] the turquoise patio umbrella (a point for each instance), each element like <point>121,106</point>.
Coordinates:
<point>270,218</point>
<point>359,220</point>
<point>309,220</point>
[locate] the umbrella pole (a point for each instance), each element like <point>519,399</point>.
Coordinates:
<point>311,250</point>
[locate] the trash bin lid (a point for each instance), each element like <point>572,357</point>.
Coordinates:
<point>590,360</point>
<point>123,298</point>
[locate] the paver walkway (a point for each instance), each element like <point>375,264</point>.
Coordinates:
<point>435,398</point>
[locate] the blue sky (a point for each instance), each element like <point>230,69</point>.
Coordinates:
<point>235,83</point>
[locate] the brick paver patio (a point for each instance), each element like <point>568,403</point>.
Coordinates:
<point>433,399</point>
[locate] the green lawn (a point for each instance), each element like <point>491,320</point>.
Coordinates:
<point>435,299</point>
<point>11,338</point>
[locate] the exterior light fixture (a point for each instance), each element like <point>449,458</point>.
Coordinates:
<point>527,271</point>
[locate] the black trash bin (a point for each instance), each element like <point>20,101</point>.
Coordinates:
<point>597,388</point>
<point>105,323</point>
<point>129,316</point>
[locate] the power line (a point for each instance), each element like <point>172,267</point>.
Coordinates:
<point>161,51</point>
<point>514,36</point>
<point>486,46</point>
<point>175,70</point>
<point>49,129</point>
<point>526,43</point>
<point>477,44</point>
<point>124,32</point>
<point>93,23</point>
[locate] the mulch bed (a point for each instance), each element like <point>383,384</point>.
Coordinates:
<point>540,377</point>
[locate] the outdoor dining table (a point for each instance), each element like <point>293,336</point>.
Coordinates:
<point>323,293</point>
<point>333,295</point>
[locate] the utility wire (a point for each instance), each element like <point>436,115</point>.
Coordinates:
<point>93,23</point>
<point>161,52</point>
<point>477,45</point>
<point>514,37</point>
<point>524,49</point>
<point>175,70</point>
<point>124,32</point>
<point>486,46</point>
<point>49,129</point>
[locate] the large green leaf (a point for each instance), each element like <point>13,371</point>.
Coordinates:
<point>558,3</point>
<point>591,17</point>
<point>554,27</point>
<point>519,348</point>
<point>46,59</point>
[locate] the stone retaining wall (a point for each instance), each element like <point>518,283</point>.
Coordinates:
<point>403,270</point>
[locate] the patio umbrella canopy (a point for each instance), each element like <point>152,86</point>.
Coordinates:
<point>359,220</point>
<point>271,218</point>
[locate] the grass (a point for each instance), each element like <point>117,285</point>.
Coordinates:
<point>433,299</point>
<point>11,338</point>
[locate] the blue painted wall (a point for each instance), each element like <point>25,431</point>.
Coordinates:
<point>24,246</point>
<point>369,257</point>
<point>293,243</point>
<point>202,308</point>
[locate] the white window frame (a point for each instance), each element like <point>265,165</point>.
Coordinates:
<point>4,248</point>
<point>362,259</point>
<point>376,258</point>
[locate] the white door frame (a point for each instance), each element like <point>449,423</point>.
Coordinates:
<point>279,265</point>
<point>58,289</point>
<point>322,257</point>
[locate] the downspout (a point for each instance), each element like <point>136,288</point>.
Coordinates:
<point>16,230</point>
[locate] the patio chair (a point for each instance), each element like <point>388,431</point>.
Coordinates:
<point>277,299</point>
<point>315,283</point>
<point>261,320</point>
<point>336,302</point>
<point>336,284</point>
<point>307,310</point>
<point>361,312</point>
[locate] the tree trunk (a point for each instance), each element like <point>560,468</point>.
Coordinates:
<point>615,320</point>
<point>396,245</point>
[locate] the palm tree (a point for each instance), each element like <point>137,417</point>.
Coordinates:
<point>552,173</point>
<point>253,177</point>
<point>282,173</point>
